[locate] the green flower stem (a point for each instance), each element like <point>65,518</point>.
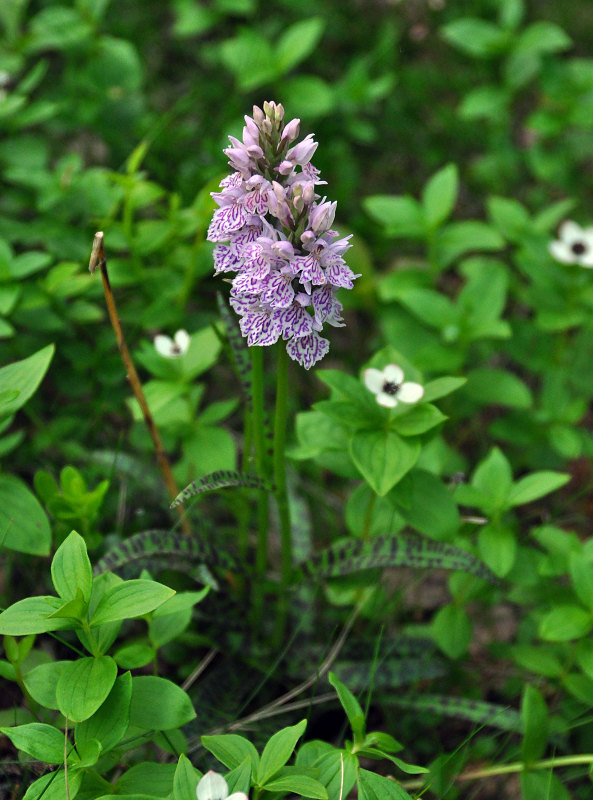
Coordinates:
<point>516,766</point>
<point>280,463</point>
<point>259,441</point>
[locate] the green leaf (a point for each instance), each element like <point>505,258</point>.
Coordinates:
<point>221,480</point>
<point>452,630</point>
<point>134,656</point>
<point>33,615</point>
<point>23,522</point>
<point>278,750</point>
<point>353,555</point>
<point>509,216</point>
<point>84,685</point>
<point>231,750</point>
<point>130,599</point>
<point>581,575</point>
<point>497,546</point>
<point>52,786</point>
<point>433,308</point>
<point>383,458</point>
<point>497,387</point>
<point>476,37</point>
<point>534,486</point>
<point>41,682</point>
<point>24,376</point>
<point>251,59</point>
<point>539,660</point>
<point>71,568</point>
<point>298,784</point>
<point>42,742</point>
<point>174,708</point>
<point>185,779</point>
<point>426,504</point>
<point>564,623</point>
<point>439,195</point>
<point>463,237</point>
<point>350,705</point>
<point>418,420</point>
<point>337,768</point>
<point>493,477</point>
<point>148,778</point>
<point>297,42</point>
<point>401,215</point>
<point>239,779</point>
<point>541,785</point>
<point>376,787</point>
<point>542,37</point>
<point>441,387</point>
<point>534,714</point>
<point>110,721</point>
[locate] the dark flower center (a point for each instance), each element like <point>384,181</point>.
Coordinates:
<point>175,349</point>
<point>389,387</point>
<point>578,248</point>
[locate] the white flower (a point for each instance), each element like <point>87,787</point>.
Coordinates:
<point>213,786</point>
<point>388,384</point>
<point>172,348</point>
<point>574,245</point>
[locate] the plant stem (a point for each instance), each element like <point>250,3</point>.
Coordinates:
<point>516,766</point>
<point>280,464</point>
<point>98,259</point>
<point>258,436</point>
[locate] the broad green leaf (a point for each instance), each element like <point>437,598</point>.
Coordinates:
<point>23,522</point>
<point>534,486</point>
<point>148,778</point>
<point>41,682</point>
<point>383,458</point>
<point>452,630</point>
<point>185,779</point>
<point>278,750</point>
<point>52,786</point>
<point>493,477</point>
<point>110,721</point>
<point>71,568</point>
<point>239,779</point>
<point>84,685</point>
<point>539,660</point>
<point>42,742</point>
<point>542,785</point>
<point>542,37</point>
<point>231,750</point>
<point>377,787</point>
<point>297,42</point>
<point>439,195</point>
<point>32,615</point>
<point>464,237</point>
<point>350,705</point>
<point>497,387</point>
<point>302,785</point>
<point>509,216</point>
<point>534,714</point>
<point>565,622</point>
<point>130,599</point>
<point>24,376</point>
<point>584,656</point>
<point>433,308</point>
<point>426,504</point>
<point>134,656</point>
<point>498,548</point>
<point>337,768</point>
<point>401,215</point>
<point>581,575</point>
<point>476,37</point>
<point>441,387</point>
<point>251,59</point>
<point>418,420</point>
<point>173,709</point>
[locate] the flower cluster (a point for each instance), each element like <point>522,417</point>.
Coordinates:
<point>574,245</point>
<point>274,231</point>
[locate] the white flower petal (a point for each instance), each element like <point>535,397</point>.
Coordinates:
<point>387,400</point>
<point>164,345</point>
<point>237,796</point>
<point>561,252</point>
<point>182,340</point>
<point>373,380</point>
<point>586,260</point>
<point>393,374</point>
<point>212,786</point>
<point>569,231</point>
<point>410,392</point>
